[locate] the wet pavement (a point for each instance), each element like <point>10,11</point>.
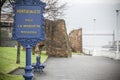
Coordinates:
<point>79,68</point>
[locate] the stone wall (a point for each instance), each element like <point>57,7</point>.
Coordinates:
<point>57,41</point>
<point>75,38</point>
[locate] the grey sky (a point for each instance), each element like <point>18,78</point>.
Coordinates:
<point>81,13</point>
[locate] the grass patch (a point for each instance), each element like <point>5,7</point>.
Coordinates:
<point>77,53</point>
<point>8,62</point>
<point>10,77</point>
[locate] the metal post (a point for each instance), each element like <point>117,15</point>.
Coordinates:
<point>117,41</point>
<point>113,39</point>
<point>94,50</point>
<point>28,69</point>
<point>117,11</point>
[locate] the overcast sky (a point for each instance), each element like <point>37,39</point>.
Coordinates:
<point>81,14</point>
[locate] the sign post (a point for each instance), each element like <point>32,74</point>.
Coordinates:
<point>28,28</point>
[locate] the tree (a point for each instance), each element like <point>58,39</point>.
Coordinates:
<point>54,9</point>
<point>1,4</point>
<point>18,53</point>
<point>7,5</point>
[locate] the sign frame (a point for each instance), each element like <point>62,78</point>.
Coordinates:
<point>28,24</point>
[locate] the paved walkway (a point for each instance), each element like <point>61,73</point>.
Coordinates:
<point>80,68</point>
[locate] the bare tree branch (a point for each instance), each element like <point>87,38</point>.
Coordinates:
<point>53,10</point>
<point>2,2</point>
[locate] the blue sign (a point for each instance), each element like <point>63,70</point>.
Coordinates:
<point>28,24</point>
<point>28,28</point>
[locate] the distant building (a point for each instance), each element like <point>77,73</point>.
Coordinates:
<point>6,20</point>
<point>6,30</point>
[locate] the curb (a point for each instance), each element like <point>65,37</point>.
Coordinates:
<point>15,70</point>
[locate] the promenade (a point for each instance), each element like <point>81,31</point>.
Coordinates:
<point>80,68</point>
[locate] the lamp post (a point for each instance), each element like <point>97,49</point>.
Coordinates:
<point>94,30</point>
<point>117,39</point>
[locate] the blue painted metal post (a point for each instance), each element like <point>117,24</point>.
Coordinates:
<point>38,60</point>
<point>28,69</point>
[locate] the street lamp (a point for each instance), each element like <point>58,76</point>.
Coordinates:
<point>117,36</point>
<point>94,35</point>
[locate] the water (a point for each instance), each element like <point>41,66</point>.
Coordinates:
<point>97,41</point>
